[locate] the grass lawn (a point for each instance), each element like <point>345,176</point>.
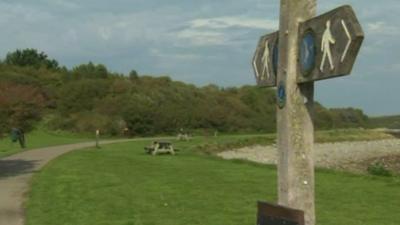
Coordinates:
<point>37,139</point>
<point>120,185</point>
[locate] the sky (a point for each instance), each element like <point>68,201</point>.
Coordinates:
<point>200,42</point>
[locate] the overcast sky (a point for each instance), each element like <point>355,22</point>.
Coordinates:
<point>201,42</point>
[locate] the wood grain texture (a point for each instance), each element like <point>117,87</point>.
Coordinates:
<point>295,126</point>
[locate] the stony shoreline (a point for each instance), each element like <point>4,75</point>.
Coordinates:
<point>344,156</point>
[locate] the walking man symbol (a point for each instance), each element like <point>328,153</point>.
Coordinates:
<point>327,40</point>
<point>265,60</point>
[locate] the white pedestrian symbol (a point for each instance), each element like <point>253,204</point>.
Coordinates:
<point>327,40</point>
<point>265,60</point>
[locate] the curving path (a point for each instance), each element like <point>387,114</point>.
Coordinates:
<point>16,172</point>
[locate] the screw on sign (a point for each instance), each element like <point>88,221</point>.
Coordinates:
<point>305,49</point>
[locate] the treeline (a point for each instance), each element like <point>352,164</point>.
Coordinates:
<point>35,88</point>
<point>391,122</point>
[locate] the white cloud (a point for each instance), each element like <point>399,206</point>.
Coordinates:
<point>105,33</point>
<point>395,68</point>
<point>178,56</point>
<point>11,13</point>
<point>221,30</point>
<point>382,28</point>
<point>200,38</point>
<point>228,22</point>
<point>64,4</point>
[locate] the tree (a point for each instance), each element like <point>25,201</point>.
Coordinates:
<point>90,71</point>
<point>20,106</point>
<point>81,95</point>
<point>133,75</point>
<point>30,57</point>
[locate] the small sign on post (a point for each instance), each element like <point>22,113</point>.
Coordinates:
<point>265,61</point>
<point>271,214</point>
<point>329,44</point>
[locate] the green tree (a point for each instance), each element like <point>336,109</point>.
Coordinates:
<point>133,75</point>
<point>90,71</point>
<point>30,57</point>
<point>81,95</point>
<point>20,106</point>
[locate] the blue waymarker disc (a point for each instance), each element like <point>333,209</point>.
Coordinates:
<point>281,95</point>
<point>307,53</point>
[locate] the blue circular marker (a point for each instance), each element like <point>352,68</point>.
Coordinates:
<point>307,53</point>
<point>281,95</point>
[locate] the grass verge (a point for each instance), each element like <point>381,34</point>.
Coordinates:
<point>120,185</point>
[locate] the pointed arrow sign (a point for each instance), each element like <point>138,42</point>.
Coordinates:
<point>265,60</point>
<point>329,45</point>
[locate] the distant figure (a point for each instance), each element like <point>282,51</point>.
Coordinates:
<point>327,40</point>
<point>18,134</point>
<point>125,131</point>
<point>97,138</point>
<point>182,136</point>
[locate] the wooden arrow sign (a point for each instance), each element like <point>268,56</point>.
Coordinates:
<point>329,44</point>
<point>265,61</point>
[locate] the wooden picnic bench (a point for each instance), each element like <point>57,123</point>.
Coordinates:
<point>158,147</point>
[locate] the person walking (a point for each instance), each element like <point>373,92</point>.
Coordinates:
<point>18,134</point>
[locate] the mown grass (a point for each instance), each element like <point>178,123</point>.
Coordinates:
<point>39,138</point>
<point>350,135</point>
<point>120,185</point>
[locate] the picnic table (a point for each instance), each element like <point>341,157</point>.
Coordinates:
<point>158,147</point>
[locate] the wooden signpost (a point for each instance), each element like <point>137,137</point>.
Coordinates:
<point>304,50</point>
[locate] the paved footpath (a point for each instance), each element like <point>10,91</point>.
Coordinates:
<point>16,172</point>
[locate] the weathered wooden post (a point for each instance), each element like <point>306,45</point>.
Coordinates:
<point>294,117</point>
<point>304,50</point>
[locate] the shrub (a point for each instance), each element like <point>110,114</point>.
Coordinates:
<point>379,169</point>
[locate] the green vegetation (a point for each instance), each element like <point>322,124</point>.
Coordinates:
<point>212,147</point>
<point>34,88</point>
<point>378,169</point>
<point>339,135</point>
<point>39,138</point>
<point>121,185</point>
<point>391,122</point>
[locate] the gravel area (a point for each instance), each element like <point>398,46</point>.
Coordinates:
<point>349,156</point>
